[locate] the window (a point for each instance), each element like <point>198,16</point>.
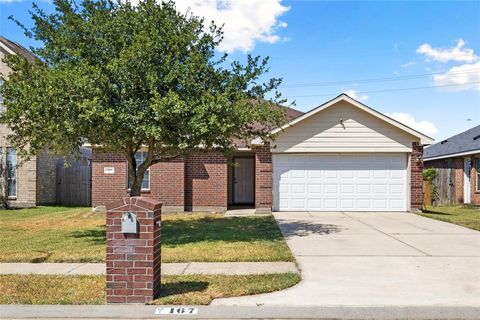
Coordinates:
<point>478,174</point>
<point>9,167</point>
<point>11,172</point>
<point>139,158</point>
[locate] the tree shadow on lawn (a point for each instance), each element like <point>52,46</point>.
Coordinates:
<point>181,287</point>
<point>437,212</point>
<point>94,236</point>
<point>231,229</point>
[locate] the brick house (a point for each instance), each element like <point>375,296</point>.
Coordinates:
<point>35,181</point>
<point>460,157</point>
<point>340,156</point>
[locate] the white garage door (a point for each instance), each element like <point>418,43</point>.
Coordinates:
<point>340,182</point>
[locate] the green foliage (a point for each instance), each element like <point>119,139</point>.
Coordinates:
<point>429,174</point>
<point>122,77</point>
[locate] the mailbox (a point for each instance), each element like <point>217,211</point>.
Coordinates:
<point>129,222</point>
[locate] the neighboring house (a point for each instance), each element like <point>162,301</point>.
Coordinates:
<point>35,181</point>
<point>340,156</point>
<point>457,160</point>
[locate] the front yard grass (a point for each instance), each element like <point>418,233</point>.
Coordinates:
<point>178,290</point>
<point>463,215</point>
<point>67,234</point>
<point>52,234</point>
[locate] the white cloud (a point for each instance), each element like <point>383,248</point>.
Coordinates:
<point>353,94</point>
<point>463,77</point>
<point>245,22</point>
<point>457,53</point>
<point>409,64</point>
<point>425,127</point>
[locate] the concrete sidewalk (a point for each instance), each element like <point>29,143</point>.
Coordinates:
<point>226,268</point>
<point>235,312</point>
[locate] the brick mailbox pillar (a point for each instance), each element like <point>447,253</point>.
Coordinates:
<point>133,259</point>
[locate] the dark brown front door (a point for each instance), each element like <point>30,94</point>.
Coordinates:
<point>244,181</point>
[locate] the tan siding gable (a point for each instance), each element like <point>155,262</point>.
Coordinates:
<point>362,132</point>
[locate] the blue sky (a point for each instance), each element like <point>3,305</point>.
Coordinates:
<point>352,44</point>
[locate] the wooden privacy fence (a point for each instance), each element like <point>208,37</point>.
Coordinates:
<point>74,184</point>
<point>445,188</point>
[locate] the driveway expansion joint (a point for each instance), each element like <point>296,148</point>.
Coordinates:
<point>387,234</point>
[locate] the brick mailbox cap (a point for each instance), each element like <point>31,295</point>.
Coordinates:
<point>134,204</point>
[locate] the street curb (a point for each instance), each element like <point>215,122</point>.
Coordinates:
<point>225,312</point>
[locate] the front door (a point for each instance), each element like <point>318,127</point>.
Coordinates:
<point>244,181</point>
<point>467,164</point>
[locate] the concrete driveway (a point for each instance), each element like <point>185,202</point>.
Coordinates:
<point>376,259</point>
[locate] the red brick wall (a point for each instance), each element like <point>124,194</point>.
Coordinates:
<point>206,181</point>
<point>263,177</point>
<point>416,179</point>
<point>133,259</point>
<point>166,180</point>
<point>198,181</point>
<point>457,165</point>
<point>108,187</point>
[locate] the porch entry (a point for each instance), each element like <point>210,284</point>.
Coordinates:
<point>244,180</point>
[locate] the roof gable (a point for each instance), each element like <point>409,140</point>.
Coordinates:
<point>10,47</point>
<point>424,139</point>
<point>465,142</point>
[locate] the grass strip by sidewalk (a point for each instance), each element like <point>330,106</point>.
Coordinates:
<point>464,215</point>
<point>66,234</point>
<point>178,290</point>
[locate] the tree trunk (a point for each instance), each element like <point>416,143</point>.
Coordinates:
<point>135,179</point>
<point>135,174</point>
<point>135,189</point>
<point>137,171</point>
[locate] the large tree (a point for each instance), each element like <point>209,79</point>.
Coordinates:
<point>126,78</point>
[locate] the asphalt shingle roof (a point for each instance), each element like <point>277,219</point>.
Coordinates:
<point>463,142</point>
<point>18,49</point>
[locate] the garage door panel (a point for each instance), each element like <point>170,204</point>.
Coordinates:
<point>297,188</point>
<point>364,174</point>
<point>363,204</point>
<point>347,188</point>
<point>314,188</point>
<point>340,182</point>
<point>363,188</point>
<point>396,188</point>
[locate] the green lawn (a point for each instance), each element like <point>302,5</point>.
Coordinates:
<point>65,234</point>
<point>466,216</point>
<point>181,290</point>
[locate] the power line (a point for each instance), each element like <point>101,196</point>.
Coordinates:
<point>386,90</point>
<point>399,78</point>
